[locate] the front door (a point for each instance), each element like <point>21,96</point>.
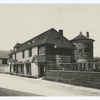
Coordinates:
<point>41,70</point>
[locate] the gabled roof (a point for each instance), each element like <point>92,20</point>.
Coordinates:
<point>18,45</point>
<point>4,54</point>
<point>50,36</point>
<point>81,37</point>
<point>39,59</point>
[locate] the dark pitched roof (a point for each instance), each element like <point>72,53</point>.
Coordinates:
<point>39,58</point>
<point>50,36</point>
<point>11,52</point>
<point>4,54</point>
<point>18,45</point>
<point>81,37</point>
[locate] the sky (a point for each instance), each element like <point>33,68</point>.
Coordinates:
<point>21,22</point>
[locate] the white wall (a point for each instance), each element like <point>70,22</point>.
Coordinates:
<point>19,54</point>
<point>34,69</point>
<point>85,61</point>
<point>13,56</point>
<point>82,60</point>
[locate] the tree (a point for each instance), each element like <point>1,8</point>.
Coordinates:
<point>95,59</point>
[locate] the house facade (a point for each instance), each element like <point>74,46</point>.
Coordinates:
<point>41,53</point>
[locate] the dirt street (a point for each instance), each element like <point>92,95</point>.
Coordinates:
<point>43,87</point>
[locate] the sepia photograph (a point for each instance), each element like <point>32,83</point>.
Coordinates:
<point>49,49</point>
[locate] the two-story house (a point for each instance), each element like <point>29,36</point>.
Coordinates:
<point>40,53</point>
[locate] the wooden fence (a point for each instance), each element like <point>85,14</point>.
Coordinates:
<point>85,66</point>
<point>80,78</point>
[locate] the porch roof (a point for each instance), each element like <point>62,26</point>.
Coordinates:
<point>14,61</point>
<point>19,62</point>
<point>39,59</point>
<point>27,61</point>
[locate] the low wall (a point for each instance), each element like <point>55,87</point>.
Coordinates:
<point>81,78</point>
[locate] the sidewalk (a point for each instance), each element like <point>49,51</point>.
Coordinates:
<point>43,87</point>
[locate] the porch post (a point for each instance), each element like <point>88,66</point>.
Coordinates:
<point>12,69</point>
<point>78,67</point>
<point>24,69</point>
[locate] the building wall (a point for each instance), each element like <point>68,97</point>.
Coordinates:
<point>13,56</point>
<point>34,69</point>
<point>1,64</point>
<point>83,56</point>
<point>80,53</point>
<point>19,54</point>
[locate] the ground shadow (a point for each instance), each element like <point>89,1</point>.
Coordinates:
<point>10,92</point>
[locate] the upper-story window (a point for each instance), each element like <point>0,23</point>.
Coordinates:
<point>87,47</point>
<point>15,55</point>
<point>42,51</point>
<point>30,52</point>
<point>23,54</point>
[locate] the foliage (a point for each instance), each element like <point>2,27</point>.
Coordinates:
<point>96,59</point>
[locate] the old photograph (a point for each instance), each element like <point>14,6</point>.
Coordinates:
<point>49,50</point>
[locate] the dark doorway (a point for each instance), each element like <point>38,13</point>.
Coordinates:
<point>17,69</point>
<point>41,70</point>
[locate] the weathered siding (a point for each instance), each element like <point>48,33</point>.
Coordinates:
<point>80,53</point>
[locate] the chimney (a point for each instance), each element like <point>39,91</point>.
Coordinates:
<point>87,34</point>
<point>80,33</point>
<point>61,32</point>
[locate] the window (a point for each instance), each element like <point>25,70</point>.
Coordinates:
<point>4,61</point>
<point>30,52</point>
<point>15,55</point>
<point>87,47</point>
<point>23,54</point>
<point>42,51</point>
<point>30,42</point>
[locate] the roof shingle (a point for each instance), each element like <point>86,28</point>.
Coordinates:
<point>81,37</point>
<point>4,54</point>
<point>50,37</point>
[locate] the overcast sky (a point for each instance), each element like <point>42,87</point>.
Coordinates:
<point>21,22</point>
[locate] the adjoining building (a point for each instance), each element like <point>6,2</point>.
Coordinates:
<point>83,51</point>
<point>4,61</point>
<point>4,57</point>
<point>40,53</point>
